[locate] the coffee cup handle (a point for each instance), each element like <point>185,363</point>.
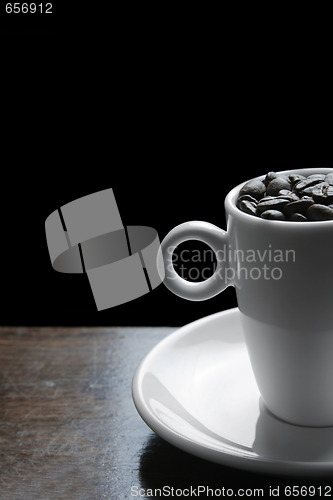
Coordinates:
<point>216,239</point>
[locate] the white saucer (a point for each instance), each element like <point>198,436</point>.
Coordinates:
<point>196,390</point>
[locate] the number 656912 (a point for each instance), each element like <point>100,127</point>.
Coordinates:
<point>28,8</point>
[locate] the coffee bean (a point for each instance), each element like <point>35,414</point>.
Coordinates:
<point>306,192</point>
<point>273,215</point>
<point>245,197</point>
<point>285,197</point>
<point>249,207</point>
<point>301,186</point>
<point>295,178</point>
<point>269,177</point>
<point>323,193</point>
<point>300,206</point>
<point>273,204</point>
<point>329,179</point>
<point>288,194</point>
<point>265,198</point>
<point>320,177</point>
<point>277,185</point>
<point>273,175</point>
<point>254,188</point>
<point>319,212</point>
<point>298,218</point>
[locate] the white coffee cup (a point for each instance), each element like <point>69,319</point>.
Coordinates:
<point>286,307</point>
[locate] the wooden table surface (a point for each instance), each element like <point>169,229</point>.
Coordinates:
<point>69,428</point>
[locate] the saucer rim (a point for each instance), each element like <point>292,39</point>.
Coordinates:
<point>224,457</point>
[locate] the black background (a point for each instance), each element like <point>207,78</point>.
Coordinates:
<point>158,188</point>
<point>169,109</point>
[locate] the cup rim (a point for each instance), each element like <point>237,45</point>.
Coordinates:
<point>231,198</point>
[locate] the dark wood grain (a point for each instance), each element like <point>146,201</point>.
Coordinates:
<point>68,426</point>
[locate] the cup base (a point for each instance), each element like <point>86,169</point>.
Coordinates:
<point>264,408</point>
<point>293,370</point>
